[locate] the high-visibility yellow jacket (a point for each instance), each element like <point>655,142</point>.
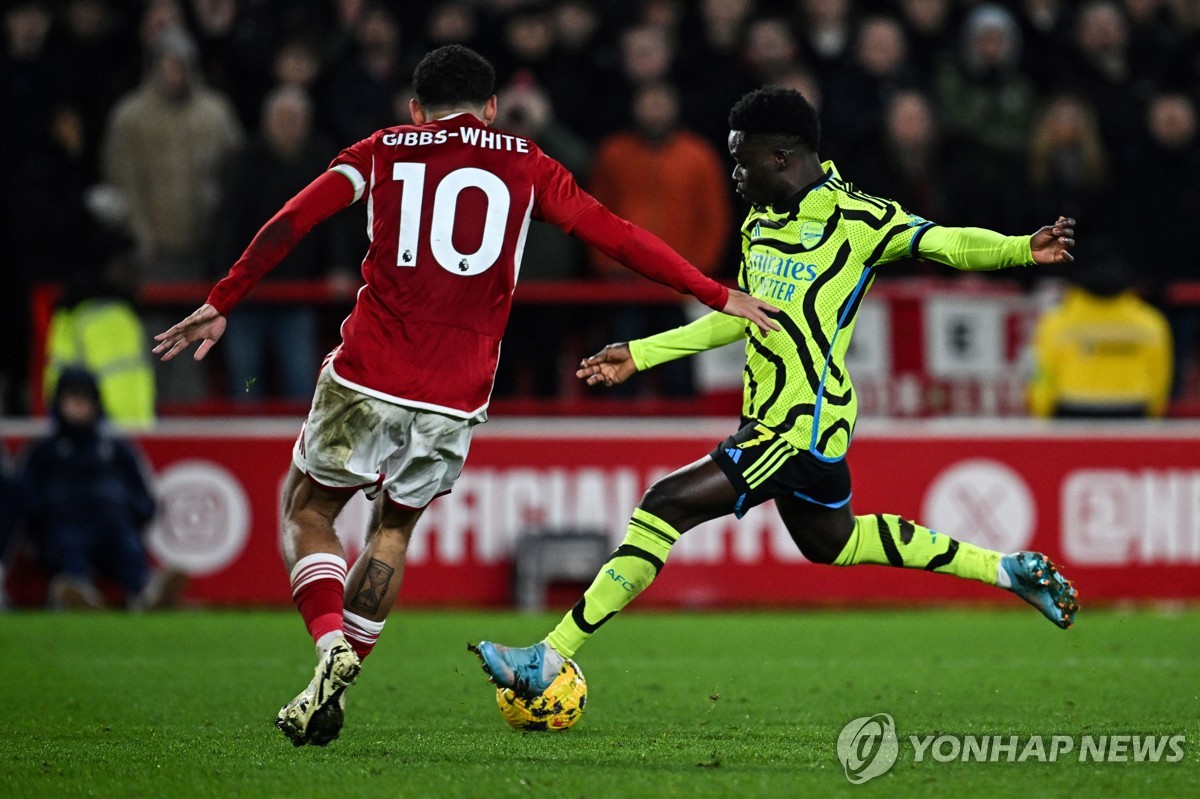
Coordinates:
<point>105,336</point>
<point>1096,355</point>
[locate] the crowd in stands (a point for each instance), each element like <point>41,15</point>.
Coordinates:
<point>148,141</point>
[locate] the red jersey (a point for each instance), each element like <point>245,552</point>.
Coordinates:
<point>448,207</point>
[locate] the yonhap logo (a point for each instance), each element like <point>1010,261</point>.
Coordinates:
<point>867,747</point>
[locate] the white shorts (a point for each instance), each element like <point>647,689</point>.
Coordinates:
<point>351,441</point>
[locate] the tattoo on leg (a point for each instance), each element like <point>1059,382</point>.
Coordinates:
<point>372,587</point>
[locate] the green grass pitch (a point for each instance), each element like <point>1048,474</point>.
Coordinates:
<point>693,705</point>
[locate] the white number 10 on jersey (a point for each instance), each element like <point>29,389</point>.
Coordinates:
<point>441,221</point>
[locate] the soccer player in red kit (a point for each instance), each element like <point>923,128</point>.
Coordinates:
<point>449,202</point>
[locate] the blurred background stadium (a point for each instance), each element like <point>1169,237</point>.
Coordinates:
<point>148,141</point>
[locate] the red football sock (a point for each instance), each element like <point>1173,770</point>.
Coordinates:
<point>361,633</point>
<point>318,589</point>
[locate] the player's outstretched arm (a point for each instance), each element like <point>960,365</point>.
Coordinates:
<point>978,249</point>
<point>649,256</point>
<point>315,203</point>
<point>616,363</point>
<point>205,325</point>
<point>609,367</point>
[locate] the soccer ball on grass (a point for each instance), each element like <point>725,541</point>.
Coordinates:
<point>557,708</point>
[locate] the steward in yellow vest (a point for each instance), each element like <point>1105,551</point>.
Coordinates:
<point>102,334</point>
<point>1103,352</point>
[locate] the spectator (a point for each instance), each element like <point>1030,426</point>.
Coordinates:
<point>550,254</point>
<point>989,106</point>
<point>452,22</point>
<point>297,64</point>
<point>665,14</point>
<point>47,236</point>
<point>159,17</point>
<point>1168,166</point>
<point>863,88</point>
<point>191,132</point>
<point>1045,25</point>
<point>666,179</point>
<point>95,327</point>
<point>167,145</point>
<point>1103,74</point>
<point>32,80</point>
<point>881,51</point>
<point>577,23</point>
<point>30,88</point>
<point>102,63</point>
<point>349,15</point>
<point>671,182</point>
<point>827,30</point>
<point>713,60</point>
<point>266,173</point>
<point>1103,352</point>
<point>268,42</point>
<point>366,78</point>
<point>583,58</point>
<point>647,56</point>
<point>68,65</point>
<point>212,23</point>
<point>529,41</point>
<point>770,50</point>
<point>51,202</point>
<point>1154,40</point>
<point>722,23</point>
<point>990,102</point>
<point>1185,72</point>
<point>88,500</point>
<point>929,25</point>
<point>1068,165</point>
<point>909,167</point>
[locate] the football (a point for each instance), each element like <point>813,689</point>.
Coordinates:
<point>557,708</point>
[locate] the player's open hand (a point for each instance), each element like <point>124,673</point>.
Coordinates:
<point>1052,244</point>
<point>751,309</point>
<point>609,367</point>
<point>205,325</point>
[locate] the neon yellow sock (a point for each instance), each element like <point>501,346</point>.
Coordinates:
<point>630,568</point>
<point>888,540</point>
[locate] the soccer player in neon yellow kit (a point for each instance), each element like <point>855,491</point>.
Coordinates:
<point>811,244</point>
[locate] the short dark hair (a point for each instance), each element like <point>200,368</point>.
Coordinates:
<point>452,76</point>
<point>775,111</point>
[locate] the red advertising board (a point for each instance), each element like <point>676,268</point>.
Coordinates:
<point>1117,506</point>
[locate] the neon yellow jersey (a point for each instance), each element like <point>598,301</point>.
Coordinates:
<point>814,258</point>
